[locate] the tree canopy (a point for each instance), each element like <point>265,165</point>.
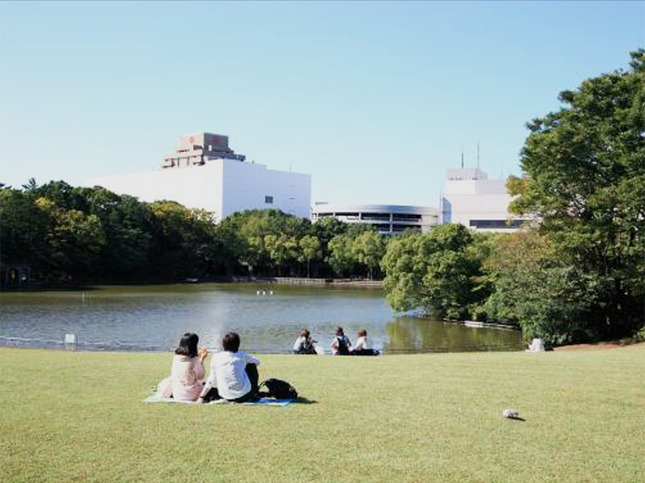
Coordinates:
<point>585,184</point>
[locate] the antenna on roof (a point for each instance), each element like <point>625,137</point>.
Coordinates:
<point>462,157</point>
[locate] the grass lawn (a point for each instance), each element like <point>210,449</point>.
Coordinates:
<point>427,417</point>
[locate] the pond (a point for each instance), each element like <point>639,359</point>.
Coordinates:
<point>267,317</point>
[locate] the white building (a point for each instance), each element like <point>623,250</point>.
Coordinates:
<point>387,219</point>
<point>475,201</point>
<point>205,173</point>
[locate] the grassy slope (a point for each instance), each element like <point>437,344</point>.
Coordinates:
<point>414,417</point>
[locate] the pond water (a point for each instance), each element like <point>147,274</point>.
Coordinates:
<point>267,317</point>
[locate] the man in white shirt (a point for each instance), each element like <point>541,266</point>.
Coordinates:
<point>234,372</point>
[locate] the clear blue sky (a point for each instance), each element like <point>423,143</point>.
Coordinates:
<point>373,99</point>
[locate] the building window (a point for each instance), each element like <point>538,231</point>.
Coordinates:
<point>268,200</point>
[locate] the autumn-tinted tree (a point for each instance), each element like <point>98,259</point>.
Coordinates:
<point>538,290</point>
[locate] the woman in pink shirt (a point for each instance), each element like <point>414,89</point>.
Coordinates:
<point>187,369</point>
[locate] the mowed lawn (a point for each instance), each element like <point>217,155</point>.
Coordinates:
<point>427,417</point>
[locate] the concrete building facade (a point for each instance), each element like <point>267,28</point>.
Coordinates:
<point>387,219</point>
<point>475,201</point>
<point>205,173</point>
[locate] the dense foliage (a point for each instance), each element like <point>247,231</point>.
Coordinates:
<point>433,272</point>
<point>576,274</point>
<point>67,234</point>
<point>585,182</point>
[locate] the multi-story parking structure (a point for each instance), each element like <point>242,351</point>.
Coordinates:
<point>387,219</point>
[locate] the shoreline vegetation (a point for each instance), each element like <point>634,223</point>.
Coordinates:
<point>326,282</point>
<point>406,418</point>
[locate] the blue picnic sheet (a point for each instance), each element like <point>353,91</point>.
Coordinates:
<point>265,401</point>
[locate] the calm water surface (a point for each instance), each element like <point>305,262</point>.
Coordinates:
<point>155,317</point>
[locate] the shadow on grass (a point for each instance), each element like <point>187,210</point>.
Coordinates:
<point>304,400</point>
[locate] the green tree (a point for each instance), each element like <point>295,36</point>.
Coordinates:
<point>23,229</point>
<point>75,241</point>
<point>325,230</point>
<point>433,272</point>
<point>251,228</point>
<point>309,250</point>
<point>538,290</point>
<point>183,240</point>
<point>127,224</point>
<point>369,248</point>
<point>585,183</point>
<point>342,258</point>
<point>282,249</point>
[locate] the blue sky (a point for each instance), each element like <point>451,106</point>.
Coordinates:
<point>374,99</point>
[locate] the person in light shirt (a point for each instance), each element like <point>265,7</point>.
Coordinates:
<point>363,346</point>
<point>187,369</point>
<point>234,374</point>
<point>304,343</point>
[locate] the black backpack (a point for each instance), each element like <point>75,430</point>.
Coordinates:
<point>280,389</point>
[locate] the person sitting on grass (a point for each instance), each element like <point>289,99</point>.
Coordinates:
<point>187,369</point>
<point>304,343</point>
<point>234,374</point>
<point>363,346</point>
<point>341,345</point>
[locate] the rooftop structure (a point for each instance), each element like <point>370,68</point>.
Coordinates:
<point>198,148</point>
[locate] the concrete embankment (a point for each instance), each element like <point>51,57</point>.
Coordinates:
<point>320,282</point>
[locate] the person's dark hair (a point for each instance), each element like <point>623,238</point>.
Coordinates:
<point>231,342</point>
<point>304,333</point>
<point>188,345</point>
<point>339,331</point>
<point>362,333</point>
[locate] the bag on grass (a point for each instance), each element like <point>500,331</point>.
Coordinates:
<point>280,389</point>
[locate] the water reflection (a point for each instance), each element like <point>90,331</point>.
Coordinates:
<point>155,317</point>
<point>412,334</point>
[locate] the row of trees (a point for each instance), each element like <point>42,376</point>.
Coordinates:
<point>67,233</point>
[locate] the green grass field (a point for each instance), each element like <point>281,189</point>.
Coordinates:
<point>431,417</point>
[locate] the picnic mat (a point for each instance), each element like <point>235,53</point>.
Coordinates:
<point>265,401</point>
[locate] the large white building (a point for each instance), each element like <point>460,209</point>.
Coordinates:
<point>203,172</point>
<point>387,219</point>
<point>475,201</point>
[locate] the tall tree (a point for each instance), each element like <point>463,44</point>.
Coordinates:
<point>585,183</point>
<point>23,229</point>
<point>369,248</point>
<point>341,255</point>
<point>309,250</point>
<point>127,223</point>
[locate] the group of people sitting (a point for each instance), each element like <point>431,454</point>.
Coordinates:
<point>233,373</point>
<point>340,345</point>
